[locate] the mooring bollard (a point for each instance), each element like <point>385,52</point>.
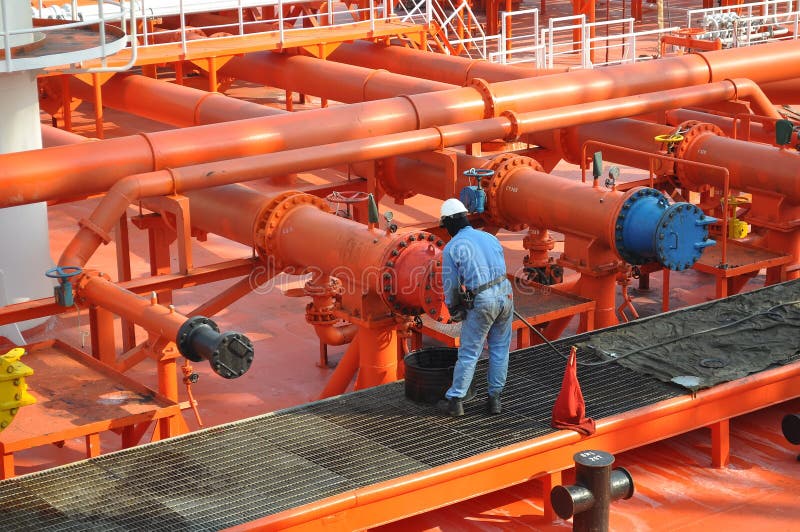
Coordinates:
<point>595,487</point>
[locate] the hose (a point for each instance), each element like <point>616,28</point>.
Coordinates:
<point>770,310</point>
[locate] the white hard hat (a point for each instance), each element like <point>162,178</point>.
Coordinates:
<point>451,207</point>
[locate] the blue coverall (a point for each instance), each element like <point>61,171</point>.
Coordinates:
<point>473,258</point>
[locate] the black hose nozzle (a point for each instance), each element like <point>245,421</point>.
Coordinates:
<point>230,354</point>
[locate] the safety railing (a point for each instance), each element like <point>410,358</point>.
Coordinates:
<point>281,19</point>
<point>454,25</point>
<point>48,42</point>
<point>746,24</point>
<point>524,47</point>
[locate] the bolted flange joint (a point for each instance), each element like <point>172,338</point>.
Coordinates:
<point>269,219</point>
<point>504,167</point>
<point>649,229</point>
<point>230,354</point>
<point>408,281</point>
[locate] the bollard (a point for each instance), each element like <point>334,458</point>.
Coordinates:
<point>595,487</point>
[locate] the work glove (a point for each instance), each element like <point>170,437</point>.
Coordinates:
<point>457,314</point>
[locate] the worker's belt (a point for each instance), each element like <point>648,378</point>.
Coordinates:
<point>488,285</point>
<point>466,297</point>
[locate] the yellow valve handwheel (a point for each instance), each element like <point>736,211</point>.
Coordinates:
<point>671,138</point>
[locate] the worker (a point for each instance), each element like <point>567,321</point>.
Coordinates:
<point>478,294</point>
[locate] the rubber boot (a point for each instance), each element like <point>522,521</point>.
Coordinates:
<point>451,407</point>
<point>493,405</point>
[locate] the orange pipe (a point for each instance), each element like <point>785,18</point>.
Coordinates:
<point>325,79</point>
<point>451,69</point>
<point>461,71</point>
<point>758,131</point>
<point>603,291</point>
<point>164,182</point>
<point>378,364</point>
<point>752,166</point>
<point>783,92</point>
<point>52,136</point>
<point>345,370</point>
<point>41,175</point>
<point>306,237</point>
<point>153,317</point>
<point>336,335</point>
<point>168,103</point>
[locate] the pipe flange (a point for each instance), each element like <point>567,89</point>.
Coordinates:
<point>320,316</point>
<point>185,333</point>
<point>504,165</point>
<point>388,280</point>
<point>690,130</point>
<point>485,90</point>
<point>619,242</point>
<point>270,217</point>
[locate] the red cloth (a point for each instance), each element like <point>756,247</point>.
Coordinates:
<point>569,412</point>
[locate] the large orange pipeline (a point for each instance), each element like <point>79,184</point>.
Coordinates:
<point>297,231</point>
<point>42,175</point>
<point>256,167</point>
<point>97,229</point>
<point>757,131</point>
<point>458,70</point>
<point>168,103</point>
<point>752,166</point>
<point>325,79</point>
<point>451,69</point>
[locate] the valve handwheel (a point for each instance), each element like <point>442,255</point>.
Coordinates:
<point>347,197</point>
<point>479,172</point>
<point>63,273</point>
<point>670,137</point>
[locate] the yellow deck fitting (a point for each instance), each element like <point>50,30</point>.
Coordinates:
<point>13,388</point>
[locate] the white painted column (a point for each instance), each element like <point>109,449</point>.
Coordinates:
<point>24,237</point>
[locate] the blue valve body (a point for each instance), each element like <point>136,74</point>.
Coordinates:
<point>649,229</point>
<point>474,199</point>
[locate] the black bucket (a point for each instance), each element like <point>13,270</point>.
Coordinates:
<point>429,373</point>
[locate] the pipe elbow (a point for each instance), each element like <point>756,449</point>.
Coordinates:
<point>336,335</point>
<point>748,89</point>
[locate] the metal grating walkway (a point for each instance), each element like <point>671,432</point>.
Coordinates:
<point>235,473</point>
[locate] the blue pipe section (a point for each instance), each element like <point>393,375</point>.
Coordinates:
<point>649,229</point>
